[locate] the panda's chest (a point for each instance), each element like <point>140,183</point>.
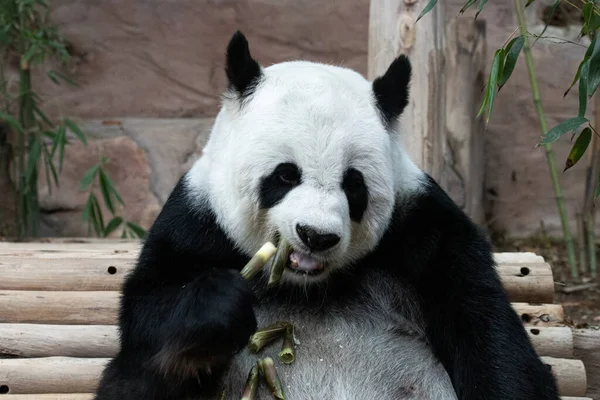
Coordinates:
<point>359,351</point>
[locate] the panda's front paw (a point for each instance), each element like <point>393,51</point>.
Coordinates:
<point>229,318</point>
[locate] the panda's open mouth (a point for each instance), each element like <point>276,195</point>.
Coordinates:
<point>304,264</point>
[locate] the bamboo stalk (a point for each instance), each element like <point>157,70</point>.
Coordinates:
<point>560,201</point>
<point>591,245</point>
<point>590,193</point>
<point>251,384</point>
<point>267,369</point>
<point>581,241</point>
<point>279,261</point>
<point>258,260</point>
<point>265,336</point>
<point>286,354</point>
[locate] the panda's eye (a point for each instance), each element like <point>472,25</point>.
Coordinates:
<point>356,191</point>
<point>288,174</point>
<point>353,183</point>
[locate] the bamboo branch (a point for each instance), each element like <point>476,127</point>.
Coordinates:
<point>560,201</point>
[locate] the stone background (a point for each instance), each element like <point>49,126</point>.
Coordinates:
<point>151,72</point>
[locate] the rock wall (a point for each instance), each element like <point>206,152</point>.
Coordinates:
<point>156,67</point>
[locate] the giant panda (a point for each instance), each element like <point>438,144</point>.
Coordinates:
<point>393,292</point>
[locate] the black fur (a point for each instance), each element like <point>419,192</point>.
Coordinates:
<point>186,285</point>
<point>471,325</point>
<point>391,90</point>
<point>278,183</point>
<point>356,193</point>
<point>183,308</point>
<point>243,72</point>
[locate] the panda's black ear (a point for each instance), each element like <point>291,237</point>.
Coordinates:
<point>391,90</point>
<point>243,72</point>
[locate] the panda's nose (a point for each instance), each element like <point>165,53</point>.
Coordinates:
<point>314,240</point>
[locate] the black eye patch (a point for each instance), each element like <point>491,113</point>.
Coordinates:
<point>278,183</point>
<point>357,194</point>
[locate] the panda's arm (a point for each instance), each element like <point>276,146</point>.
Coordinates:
<point>185,307</point>
<point>469,320</point>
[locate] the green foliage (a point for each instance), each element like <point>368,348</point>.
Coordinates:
<point>503,65</point>
<point>580,146</point>
<point>25,31</point>
<point>587,75</point>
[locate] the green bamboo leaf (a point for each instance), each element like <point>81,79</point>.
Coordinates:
<point>112,225</point>
<point>480,7</point>
<point>89,177</point>
<point>97,217</point>
<point>113,188</point>
<point>597,192</point>
<point>492,82</point>
<point>513,49</point>
<point>529,2</point>
<point>427,8</point>
<point>33,159</point>
<point>31,52</point>
<point>58,74</point>
<point>42,115</point>
<point>62,141</point>
<point>566,126</point>
<point>76,130</point>
<point>52,75</point>
<point>594,69</point>
<point>138,230</point>
<point>124,233</point>
<point>583,86</point>
<point>468,4</point>
<point>50,166</point>
<point>87,208</point>
<point>588,10</point>
<point>106,191</point>
<point>578,74</point>
<point>11,121</point>
<point>579,148</point>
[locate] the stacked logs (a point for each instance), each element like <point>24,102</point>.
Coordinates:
<point>59,304</point>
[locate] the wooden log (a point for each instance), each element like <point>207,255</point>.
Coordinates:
<point>570,375</point>
<point>466,70</point>
<point>20,306</point>
<point>552,341</point>
<point>528,282</point>
<point>94,247</point>
<point>50,396</point>
<point>393,30</point>
<point>524,282</point>
<point>51,374</point>
<point>517,257</point>
<point>88,273</point>
<point>81,375</point>
<point>37,340</point>
<point>540,314</point>
<point>101,308</point>
<point>90,396</point>
<point>586,347</point>
<point>45,340</point>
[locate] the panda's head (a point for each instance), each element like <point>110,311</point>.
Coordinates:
<point>307,151</point>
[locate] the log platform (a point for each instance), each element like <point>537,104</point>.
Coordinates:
<point>59,304</point>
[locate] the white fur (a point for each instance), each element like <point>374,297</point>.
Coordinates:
<point>324,119</point>
<point>363,350</point>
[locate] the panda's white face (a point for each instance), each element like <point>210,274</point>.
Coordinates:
<point>306,156</point>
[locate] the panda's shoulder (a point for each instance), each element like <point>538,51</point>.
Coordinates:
<point>187,229</point>
<point>429,225</point>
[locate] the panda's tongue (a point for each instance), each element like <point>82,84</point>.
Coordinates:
<point>304,262</point>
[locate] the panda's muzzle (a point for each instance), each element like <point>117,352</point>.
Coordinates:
<point>302,263</point>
